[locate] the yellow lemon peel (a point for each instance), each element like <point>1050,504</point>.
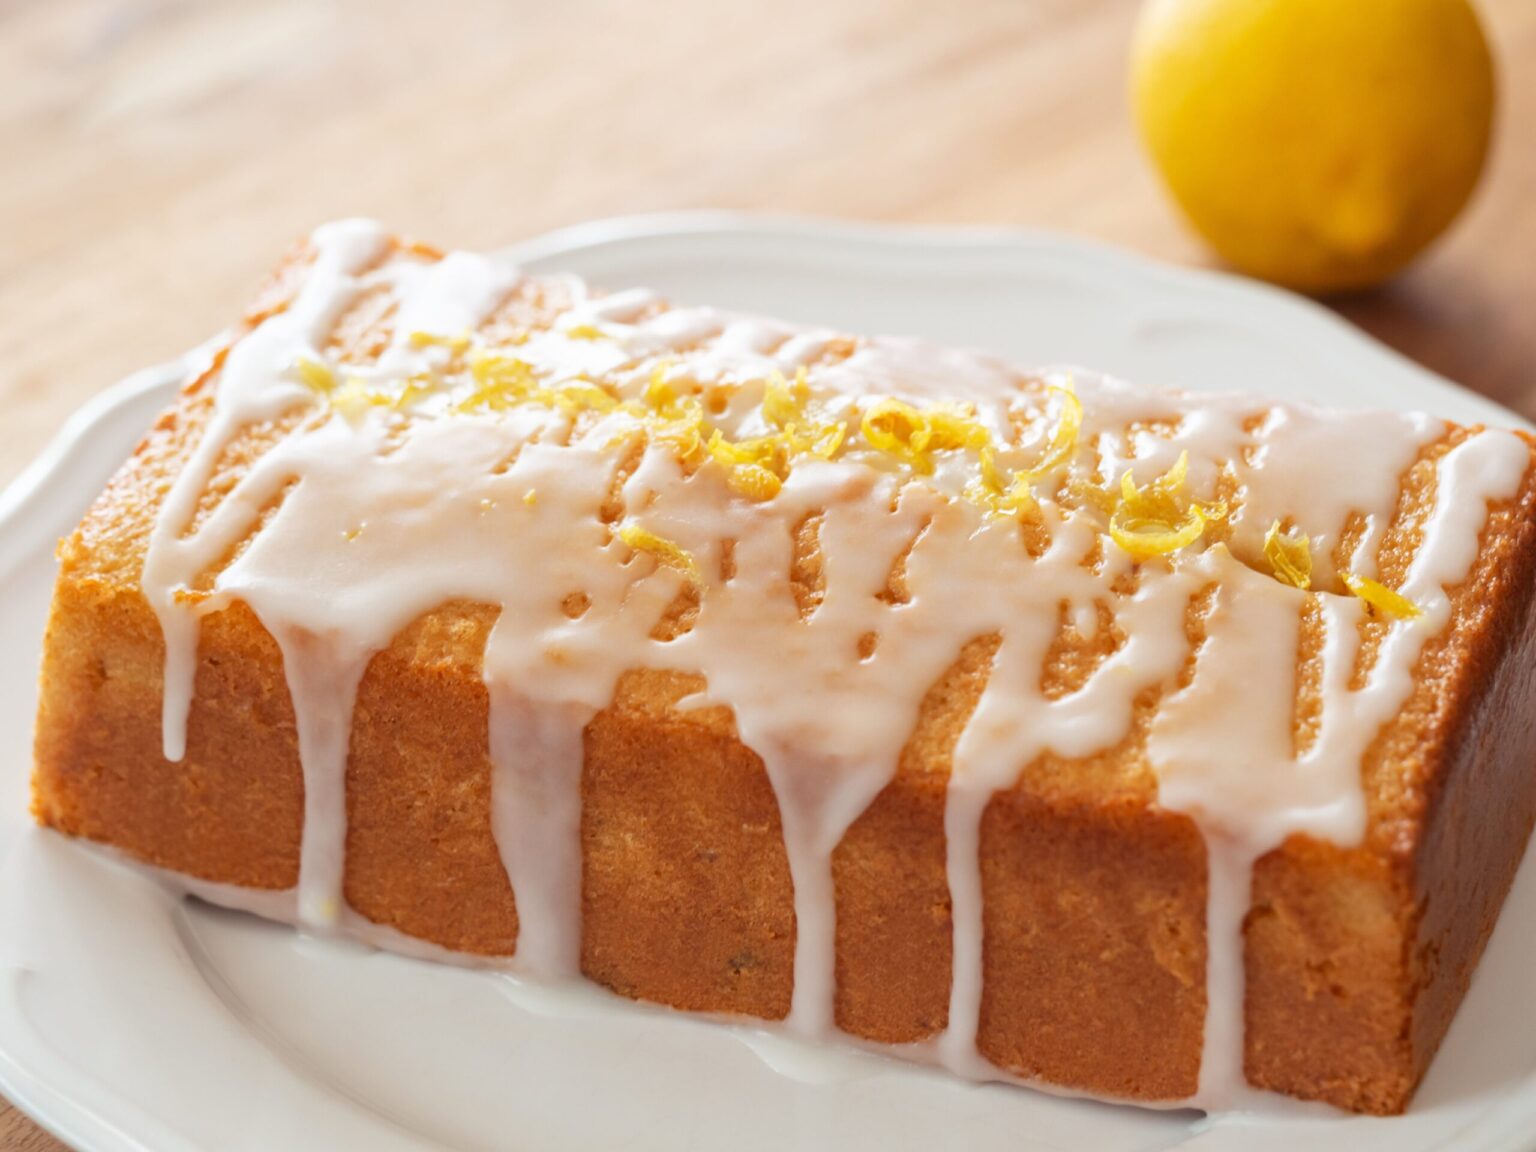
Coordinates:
<point>901,430</point>
<point>785,403</point>
<point>1086,494</point>
<point>816,439</point>
<point>1157,519</point>
<point>669,417</point>
<point>354,397</point>
<point>802,432</point>
<point>1014,495</point>
<point>457,345</point>
<point>755,468</point>
<point>1381,598</point>
<point>1290,556</point>
<point>415,388</point>
<point>683,433</point>
<point>315,375</point>
<point>500,383</point>
<point>660,394</point>
<point>351,397</point>
<point>999,496</point>
<point>503,382</point>
<point>758,467</point>
<point>664,551</point>
<point>581,395</point>
<point>955,427</point>
<point>912,435</point>
<point>1063,443</point>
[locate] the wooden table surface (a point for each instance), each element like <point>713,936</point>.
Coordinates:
<point>159,154</point>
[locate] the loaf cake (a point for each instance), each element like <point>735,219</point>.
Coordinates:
<point>1152,746</point>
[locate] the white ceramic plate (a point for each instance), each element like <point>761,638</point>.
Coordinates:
<point>130,1019</point>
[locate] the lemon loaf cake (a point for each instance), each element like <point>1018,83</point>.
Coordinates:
<point>1153,746</point>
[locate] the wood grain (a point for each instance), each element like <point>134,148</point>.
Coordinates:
<point>18,1134</point>
<point>158,154</point>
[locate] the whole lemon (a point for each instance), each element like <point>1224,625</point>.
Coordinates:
<point>1320,144</point>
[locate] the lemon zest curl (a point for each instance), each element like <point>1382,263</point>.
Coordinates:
<point>1157,518</point>
<point>912,435</point>
<point>316,375</point>
<point>1290,556</point>
<point>1003,496</point>
<point>1379,597</point>
<point>457,345</point>
<point>665,552</point>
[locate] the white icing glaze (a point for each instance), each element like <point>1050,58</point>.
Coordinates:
<point>386,511</point>
<point>248,391</point>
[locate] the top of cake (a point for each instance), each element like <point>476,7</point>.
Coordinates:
<point>816,524</point>
<point>456,430</point>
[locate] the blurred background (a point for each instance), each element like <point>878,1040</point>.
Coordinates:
<point>156,156</point>
<point>159,154</point>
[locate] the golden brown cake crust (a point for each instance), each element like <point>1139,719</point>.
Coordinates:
<point>1094,935</point>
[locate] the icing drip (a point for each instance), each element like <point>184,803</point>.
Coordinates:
<point>1014,724</point>
<point>323,686</point>
<point>537,751</point>
<point>684,490</point>
<point>825,770</point>
<point>1228,775</point>
<point>248,391</point>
